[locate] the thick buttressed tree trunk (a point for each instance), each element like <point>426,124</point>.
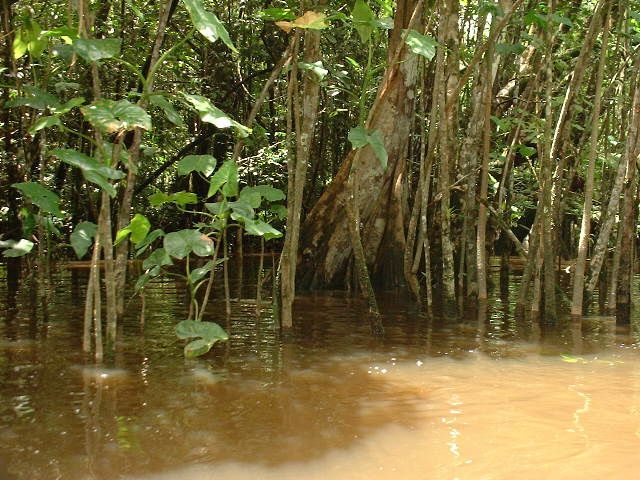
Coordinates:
<point>324,239</point>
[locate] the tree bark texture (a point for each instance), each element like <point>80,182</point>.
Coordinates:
<point>325,244</point>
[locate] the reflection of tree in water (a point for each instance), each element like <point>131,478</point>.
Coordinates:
<point>299,415</point>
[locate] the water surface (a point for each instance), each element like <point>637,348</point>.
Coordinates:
<point>485,397</point>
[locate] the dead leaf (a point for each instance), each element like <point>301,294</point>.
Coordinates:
<point>310,19</point>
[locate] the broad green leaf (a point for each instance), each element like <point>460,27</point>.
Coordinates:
<point>279,210</point>
<point>95,49</point>
<point>316,68</point>
<point>196,348</point>
<point>110,116</point>
<point>208,24</point>
<point>261,229</point>
<point>179,198</point>
<point>172,115</point>
<point>181,243</point>
<point>225,180</point>
<point>270,193</point>
<point>92,170</point>
<point>198,274</point>
<point>421,44</point>
<point>218,208</point>
<point>250,196</point>
<point>44,122</point>
<point>241,210</point>
<point>70,105</point>
<point>158,258</point>
<point>137,228</point>
<point>29,222</point>
<point>359,138</point>
<point>16,249</point>
<point>82,237</point>
<point>204,164</point>
<point>45,199</point>
<point>148,240</point>
<point>211,114</point>
<point>206,334</point>
<point>363,16</point>
<point>143,280</point>
<point>377,144</point>
<point>36,98</point>
<point>20,43</point>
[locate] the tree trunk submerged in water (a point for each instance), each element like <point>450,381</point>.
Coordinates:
<point>326,248</point>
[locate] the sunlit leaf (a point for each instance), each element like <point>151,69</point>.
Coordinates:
<point>110,116</point>
<point>206,334</point>
<point>44,122</point>
<point>316,68</point>
<point>36,98</point>
<point>421,44</point>
<point>94,49</point>
<point>311,20</point>
<point>92,170</point>
<point>183,242</point>
<point>225,180</point>
<point>359,137</point>
<point>158,258</point>
<point>82,237</point>
<point>211,114</point>
<point>362,16</point>
<point>137,228</point>
<point>45,199</point>
<point>261,229</point>
<point>207,23</point>
<point>172,115</point>
<point>204,164</point>
<point>16,248</point>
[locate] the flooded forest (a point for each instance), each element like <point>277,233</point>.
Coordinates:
<point>371,239</point>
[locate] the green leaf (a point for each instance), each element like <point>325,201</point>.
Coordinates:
<point>16,249</point>
<point>241,210</point>
<point>210,114</point>
<point>70,105</point>
<point>198,274</point>
<point>110,116</point>
<point>204,164</point>
<point>181,243</point>
<point>36,98</point>
<point>29,222</point>
<point>179,198</point>
<point>92,170</point>
<point>279,210</point>
<point>95,49</point>
<point>421,44</point>
<point>148,240</point>
<point>44,122</point>
<point>261,229</point>
<point>225,180</point>
<point>359,137</point>
<point>157,258</point>
<point>20,43</point>
<point>45,199</point>
<point>82,238</point>
<point>316,68</point>
<point>207,23</point>
<point>137,228</point>
<point>363,17</point>
<point>254,195</point>
<point>205,333</point>
<point>172,115</point>
<point>377,144</point>
<point>250,196</point>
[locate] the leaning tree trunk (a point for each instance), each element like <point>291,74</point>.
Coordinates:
<point>325,245</point>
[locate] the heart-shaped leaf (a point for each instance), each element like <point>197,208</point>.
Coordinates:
<point>82,237</point>
<point>45,199</point>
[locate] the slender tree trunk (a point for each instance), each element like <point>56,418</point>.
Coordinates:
<point>124,212</point>
<point>305,128</point>
<point>449,38</point>
<point>585,227</point>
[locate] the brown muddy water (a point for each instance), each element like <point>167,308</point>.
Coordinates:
<point>485,397</point>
